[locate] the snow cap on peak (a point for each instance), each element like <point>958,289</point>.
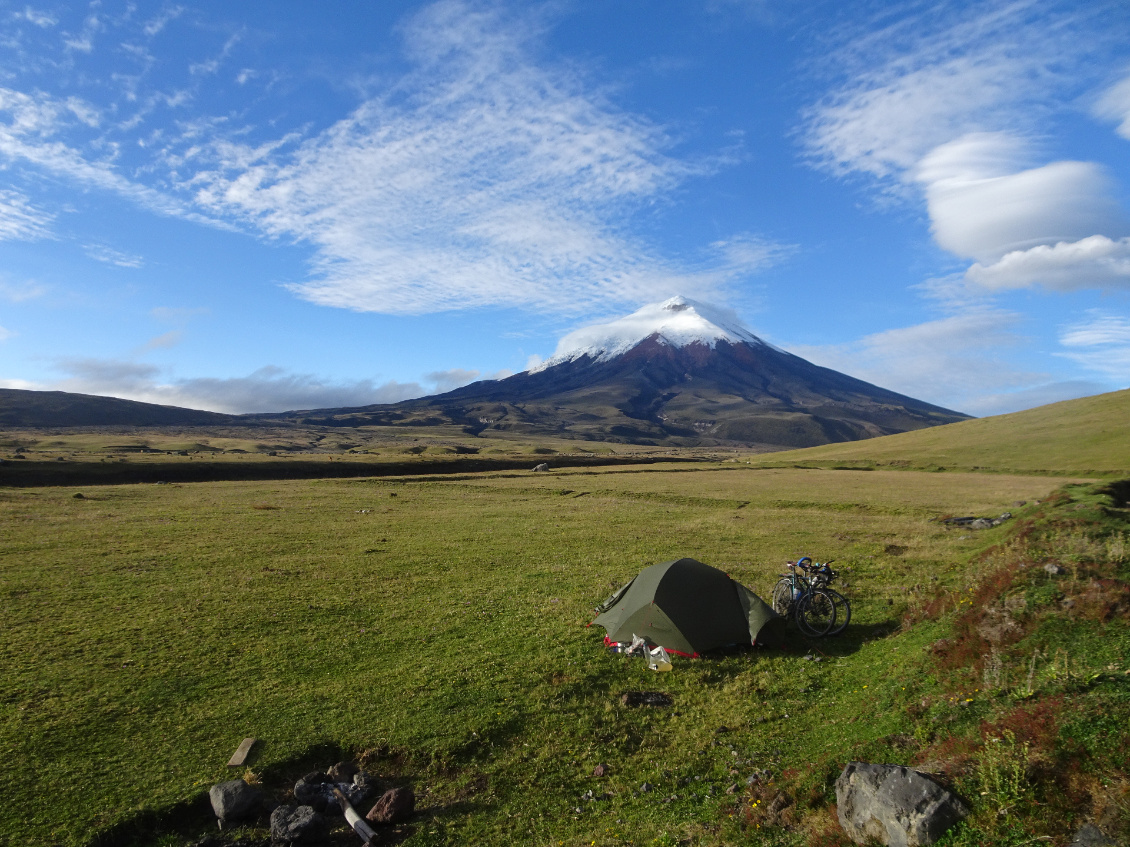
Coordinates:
<point>678,321</point>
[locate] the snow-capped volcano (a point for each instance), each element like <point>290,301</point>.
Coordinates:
<point>676,322</point>
<point>677,373</point>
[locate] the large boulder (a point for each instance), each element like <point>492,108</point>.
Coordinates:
<point>894,805</point>
<point>396,805</point>
<point>235,800</point>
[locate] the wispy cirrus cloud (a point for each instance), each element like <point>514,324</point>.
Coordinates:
<point>41,19</point>
<point>483,179</point>
<point>20,220</point>
<point>1101,343</point>
<point>32,128</point>
<point>481,176</point>
<point>920,78</point>
<point>110,256</point>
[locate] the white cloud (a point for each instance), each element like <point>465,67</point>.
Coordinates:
<point>1029,398</point>
<point>982,207</point>
<point>1100,344</point>
<point>110,256</point>
<point>20,220</point>
<point>155,25</point>
<point>181,315</point>
<point>22,291</point>
<point>1094,262</point>
<point>947,101</point>
<point>210,66</point>
<point>451,379</point>
<point>43,20</point>
<point>165,341</point>
<point>930,77</point>
<point>1114,106</point>
<point>5,334</point>
<point>269,389</point>
<point>483,179</point>
<point>31,132</point>
<point>949,362</point>
<point>83,42</point>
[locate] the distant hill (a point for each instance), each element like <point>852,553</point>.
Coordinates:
<point>20,408</point>
<point>1084,437</point>
<point>679,373</point>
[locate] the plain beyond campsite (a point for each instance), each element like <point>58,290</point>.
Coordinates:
<point>434,629</point>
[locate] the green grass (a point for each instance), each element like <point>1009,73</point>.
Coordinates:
<point>436,628</point>
<point>1085,437</point>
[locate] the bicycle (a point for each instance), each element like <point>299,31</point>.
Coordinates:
<point>822,576</point>
<point>806,597</point>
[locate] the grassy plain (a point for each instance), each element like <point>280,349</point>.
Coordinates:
<point>435,627</point>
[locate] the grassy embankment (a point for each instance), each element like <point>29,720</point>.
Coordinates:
<point>1076,437</point>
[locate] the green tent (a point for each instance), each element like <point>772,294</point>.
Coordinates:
<point>686,607</point>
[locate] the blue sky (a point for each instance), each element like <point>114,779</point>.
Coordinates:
<point>260,207</point>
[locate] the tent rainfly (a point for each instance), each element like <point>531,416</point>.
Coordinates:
<point>686,607</point>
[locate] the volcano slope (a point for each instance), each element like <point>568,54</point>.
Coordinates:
<point>740,393</point>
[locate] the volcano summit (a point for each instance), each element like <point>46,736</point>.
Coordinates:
<point>678,372</point>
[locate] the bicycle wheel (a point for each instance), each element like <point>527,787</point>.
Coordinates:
<point>782,596</point>
<point>816,613</point>
<point>843,611</point>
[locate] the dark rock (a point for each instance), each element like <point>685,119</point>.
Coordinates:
<point>1052,569</point>
<point>235,800</point>
<point>997,626</point>
<point>343,772</point>
<point>395,805</point>
<point>646,698</point>
<point>316,789</point>
<point>297,824</point>
<point>646,787</point>
<point>981,523</point>
<point>1090,835</point>
<point>895,805</point>
<point>366,786</point>
<point>80,496</point>
<point>940,647</point>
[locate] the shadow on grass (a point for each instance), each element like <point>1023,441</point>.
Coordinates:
<point>193,821</point>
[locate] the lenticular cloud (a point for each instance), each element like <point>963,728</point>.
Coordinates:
<point>1093,262</point>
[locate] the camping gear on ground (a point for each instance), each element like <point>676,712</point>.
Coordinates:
<point>687,608</point>
<point>658,660</point>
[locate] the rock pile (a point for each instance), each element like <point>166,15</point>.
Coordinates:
<point>309,817</point>
<point>977,523</point>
